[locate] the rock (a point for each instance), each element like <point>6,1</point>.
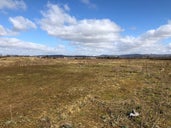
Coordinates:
<point>45,122</point>
<point>104,118</point>
<point>66,125</point>
<point>8,122</point>
<point>134,113</point>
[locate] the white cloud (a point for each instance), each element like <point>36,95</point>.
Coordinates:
<point>66,7</point>
<point>6,32</point>
<point>12,4</point>
<point>60,24</point>
<point>21,24</point>
<point>2,31</point>
<point>100,36</point>
<point>155,35</point>
<point>86,36</point>
<point>56,16</point>
<point>170,46</point>
<point>149,42</point>
<point>19,47</point>
<point>88,3</point>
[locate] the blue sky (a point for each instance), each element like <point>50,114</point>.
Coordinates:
<point>85,27</point>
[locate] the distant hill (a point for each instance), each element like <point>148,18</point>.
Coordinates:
<point>137,56</point>
<point>126,56</point>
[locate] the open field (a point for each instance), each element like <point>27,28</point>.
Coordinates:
<point>85,93</point>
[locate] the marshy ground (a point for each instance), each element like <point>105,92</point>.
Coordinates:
<point>85,93</point>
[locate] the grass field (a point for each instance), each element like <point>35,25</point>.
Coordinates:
<point>85,93</point>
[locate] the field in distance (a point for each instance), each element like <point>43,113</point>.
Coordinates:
<point>84,93</point>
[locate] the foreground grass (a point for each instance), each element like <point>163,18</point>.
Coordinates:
<point>84,93</point>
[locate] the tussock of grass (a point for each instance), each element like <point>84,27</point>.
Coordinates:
<point>84,93</point>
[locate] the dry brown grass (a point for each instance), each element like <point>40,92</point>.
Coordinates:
<point>85,93</point>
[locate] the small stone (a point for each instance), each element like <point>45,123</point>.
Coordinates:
<point>8,122</point>
<point>134,113</point>
<point>104,118</point>
<point>67,125</point>
<point>45,122</point>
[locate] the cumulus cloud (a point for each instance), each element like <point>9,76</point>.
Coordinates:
<point>6,32</point>
<point>60,24</point>
<point>149,42</point>
<point>153,39</point>
<point>2,31</point>
<point>12,4</point>
<point>21,24</point>
<point>56,16</point>
<point>101,36</point>
<point>19,47</point>
<point>87,36</point>
<point>155,35</point>
<point>97,35</point>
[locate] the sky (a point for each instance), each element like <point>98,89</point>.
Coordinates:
<point>85,27</point>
